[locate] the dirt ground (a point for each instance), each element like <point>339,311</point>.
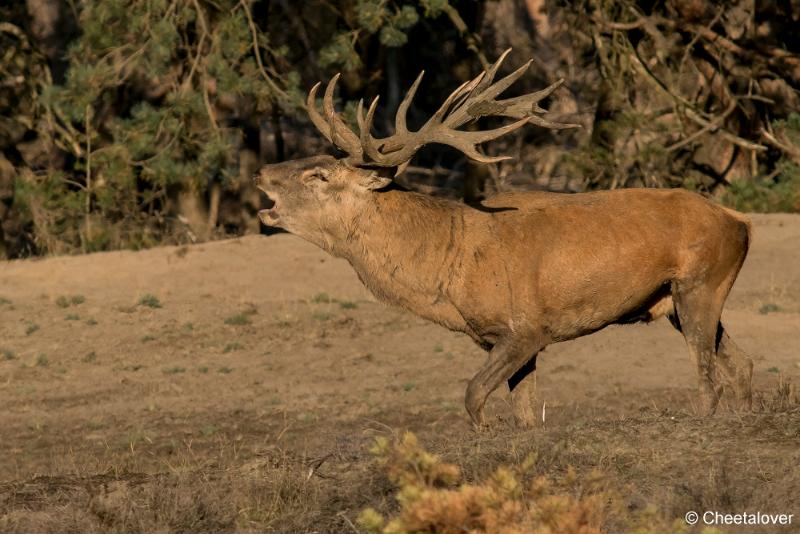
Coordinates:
<point>237,385</point>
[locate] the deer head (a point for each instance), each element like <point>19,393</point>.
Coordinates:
<point>320,194</point>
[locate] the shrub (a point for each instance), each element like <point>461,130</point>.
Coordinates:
<point>434,498</point>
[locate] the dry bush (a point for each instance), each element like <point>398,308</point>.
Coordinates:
<point>433,497</point>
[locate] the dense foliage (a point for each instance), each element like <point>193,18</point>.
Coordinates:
<point>126,123</point>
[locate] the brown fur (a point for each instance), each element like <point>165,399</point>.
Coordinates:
<point>528,269</point>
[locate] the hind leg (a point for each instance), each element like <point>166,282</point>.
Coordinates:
<point>698,315</point>
<point>737,367</point>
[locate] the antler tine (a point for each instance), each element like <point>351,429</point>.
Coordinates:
<point>365,126</point>
<point>492,70</point>
<point>313,113</point>
<point>467,142</point>
<point>520,106</point>
<point>360,114</point>
<point>400,119</point>
<point>340,134</point>
<point>466,92</point>
<point>445,107</point>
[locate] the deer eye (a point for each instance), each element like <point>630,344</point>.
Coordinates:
<point>316,174</point>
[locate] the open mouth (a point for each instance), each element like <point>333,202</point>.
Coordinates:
<point>270,214</point>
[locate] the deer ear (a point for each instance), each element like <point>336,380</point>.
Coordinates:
<point>376,178</point>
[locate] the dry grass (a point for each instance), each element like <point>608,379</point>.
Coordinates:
<point>267,426</point>
<point>630,475</point>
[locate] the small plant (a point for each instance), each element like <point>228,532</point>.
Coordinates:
<point>8,355</point>
<point>773,370</point>
<point>188,327</point>
<point>321,316</point>
<point>72,317</point>
<point>4,300</point>
<point>239,319</point>
<point>203,369</point>
<point>225,370</point>
<point>347,305</point>
<point>90,358</point>
<point>42,360</point>
<point>409,386</point>
<point>66,301</point>
<point>321,298</point>
<point>91,321</point>
<point>230,347</point>
<point>174,370</point>
<point>438,348</point>
<point>209,430</point>
<point>768,308</point>
<point>306,417</point>
<point>31,328</point>
<point>147,338</point>
<point>151,301</point>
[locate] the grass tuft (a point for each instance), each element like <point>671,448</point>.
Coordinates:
<point>150,301</point>
<point>239,319</point>
<point>231,347</point>
<point>321,316</point>
<point>321,298</point>
<point>74,300</point>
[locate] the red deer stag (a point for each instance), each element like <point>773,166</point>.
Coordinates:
<point>524,269</point>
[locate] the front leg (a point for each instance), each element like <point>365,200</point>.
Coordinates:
<point>522,386</point>
<point>508,356</point>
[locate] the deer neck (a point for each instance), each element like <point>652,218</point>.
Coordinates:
<point>404,247</point>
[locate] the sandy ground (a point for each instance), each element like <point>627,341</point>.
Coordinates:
<point>211,357</point>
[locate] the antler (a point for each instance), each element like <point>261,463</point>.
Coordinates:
<point>470,101</point>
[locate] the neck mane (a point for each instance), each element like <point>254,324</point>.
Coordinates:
<point>405,247</point>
